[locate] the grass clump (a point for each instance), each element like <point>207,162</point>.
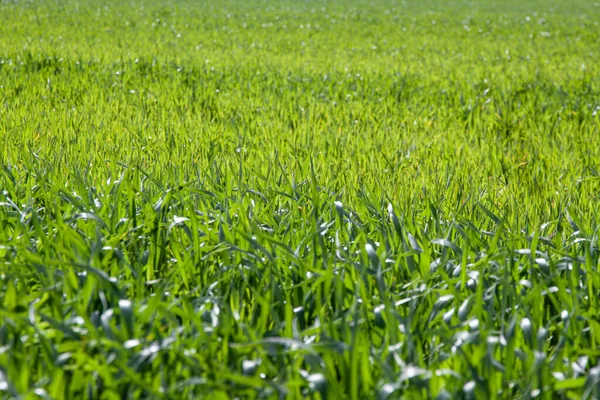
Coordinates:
<point>279,199</point>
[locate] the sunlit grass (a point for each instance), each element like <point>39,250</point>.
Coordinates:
<point>284,200</point>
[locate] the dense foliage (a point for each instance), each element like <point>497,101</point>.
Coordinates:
<point>271,199</point>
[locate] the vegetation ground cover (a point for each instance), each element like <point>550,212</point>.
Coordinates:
<point>277,199</point>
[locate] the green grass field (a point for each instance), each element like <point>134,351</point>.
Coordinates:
<point>288,199</point>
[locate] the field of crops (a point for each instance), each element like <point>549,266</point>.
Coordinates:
<point>286,199</point>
